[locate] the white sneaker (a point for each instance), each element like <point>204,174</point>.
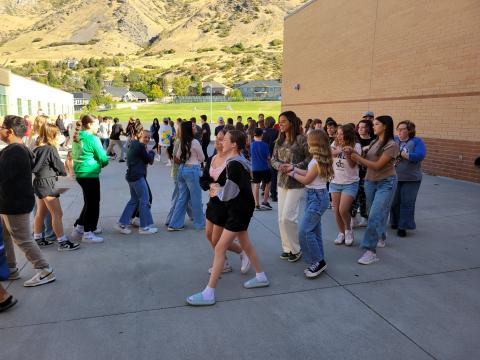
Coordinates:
<point>369,257</point>
<point>135,222</point>
<point>148,231</point>
<point>98,230</point>
<point>90,237</point>
<point>363,222</point>
<point>226,268</point>
<point>381,243</point>
<point>245,263</point>
<point>349,237</point>
<point>354,222</point>
<point>340,239</point>
<point>43,276</point>
<point>122,229</point>
<point>169,163</point>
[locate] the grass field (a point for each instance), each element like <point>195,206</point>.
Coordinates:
<point>146,112</point>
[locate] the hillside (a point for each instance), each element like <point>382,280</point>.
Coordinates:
<point>177,37</point>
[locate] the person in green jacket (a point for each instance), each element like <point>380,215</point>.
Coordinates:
<point>89,157</point>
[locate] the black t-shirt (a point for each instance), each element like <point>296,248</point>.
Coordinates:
<point>206,133</point>
<point>16,190</point>
<point>218,129</point>
<point>117,130</point>
<point>270,135</point>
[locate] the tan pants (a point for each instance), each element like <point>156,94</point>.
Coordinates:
<point>16,229</point>
<point>288,209</point>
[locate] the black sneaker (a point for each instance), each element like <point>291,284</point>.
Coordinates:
<point>315,269</point>
<point>295,257</point>
<point>43,242</point>
<point>67,246</point>
<point>258,208</point>
<point>274,199</point>
<point>285,256</point>
<point>266,206</point>
<point>8,303</point>
<point>394,227</point>
<point>401,232</point>
<point>121,160</point>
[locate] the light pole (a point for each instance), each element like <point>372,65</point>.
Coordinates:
<point>211,104</point>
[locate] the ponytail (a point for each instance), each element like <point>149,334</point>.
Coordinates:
<point>78,127</point>
<point>82,124</point>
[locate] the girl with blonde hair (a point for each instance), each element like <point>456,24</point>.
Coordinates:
<point>320,170</point>
<point>47,167</point>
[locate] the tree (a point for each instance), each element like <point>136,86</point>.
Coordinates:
<point>235,94</point>
<point>91,85</point>
<point>118,80</point>
<point>52,79</point>
<point>92,105</point>
<point>156,92</point>
<point>181,86</point>
<point>199,88</point>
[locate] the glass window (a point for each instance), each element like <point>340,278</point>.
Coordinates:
<point>19,107</point>
<point>3,101</point>
<point>54,109</point>
<point>48,108</point>
<point>29,104</point>
<point>39,106</point>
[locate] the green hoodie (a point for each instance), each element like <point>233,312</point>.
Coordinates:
<point>88,155</point>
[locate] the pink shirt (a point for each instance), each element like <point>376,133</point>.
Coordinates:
<point>216,171</point>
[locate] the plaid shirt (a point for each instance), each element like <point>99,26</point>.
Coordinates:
<point>296,154</point>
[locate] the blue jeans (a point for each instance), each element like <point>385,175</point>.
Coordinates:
<point>379,199</point>
<point>310,228</point>
<point>188,188</point>
<point>174,201</point>
<point>402,214</point>
<point>139,196</point>
<point>47,228</point>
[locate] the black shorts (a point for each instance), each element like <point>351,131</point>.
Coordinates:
<point>264,176</point>
<point>238,222</point>
<point>216,212</point>
<point>66,133</point>
<point>45,188</point>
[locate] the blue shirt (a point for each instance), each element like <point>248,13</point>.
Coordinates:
<point>259,154</point>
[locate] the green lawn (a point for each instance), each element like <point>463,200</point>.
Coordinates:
<point>146,112</point>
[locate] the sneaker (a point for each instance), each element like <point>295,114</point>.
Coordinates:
<point>295,257</point>
<point>121,160</point>
<point>136,222</point>
<point>285,255</point>
<point>226,268</point>
<point>98,230</point>
<point>353,222</point>
<point>148,231</point>
<point>363,222</point>
<point>340,239</point>
<point>122,229</point>
<point>255,283</point>
<point>381,243</point>
<point>43,276</point>
<point>369,257</point>
<point>8,303</point>
<point>349,237</point>
<point>274,199</point>
<point>67,245</point>
<point>266,206</point>
<point>402,232</point>
<point>245,263</point>
<point>43,242</point>
<point>14,274</point>
<point>169,163</point>
<point>90,237</point>
<point>175,229</point>
<point>258,208</point>
<point>198,300</point>
<point>315,269</point>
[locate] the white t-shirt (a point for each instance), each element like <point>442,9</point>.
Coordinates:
<point>318,183</point>
<point>344,173</point>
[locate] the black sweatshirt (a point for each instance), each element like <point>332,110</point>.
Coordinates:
<point>16,190</point>
<point>47,162</point>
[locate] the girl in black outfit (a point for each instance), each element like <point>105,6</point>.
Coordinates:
<point>237,197</point>
<point>217,213</point>
<point>155,136</point>
<point>48,166</point>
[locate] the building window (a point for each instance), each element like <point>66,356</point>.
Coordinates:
<point>19,107</point>
<point>54,109</point>
<point>29,104</point>
<point>39,107</point>
<point>3,101</point>
<point>48,108</point>
<point>63,109</point>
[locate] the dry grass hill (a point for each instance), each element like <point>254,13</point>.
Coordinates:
<point>179,36</point>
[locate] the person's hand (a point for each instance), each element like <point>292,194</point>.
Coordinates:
<point>348,150</point>
<point>214,189</point>
<point>285,168</point>
<point>404,154</point>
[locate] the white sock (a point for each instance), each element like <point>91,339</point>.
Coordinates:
<point>208,293</point>
<point>37,236</point>
<point>261,276</point>
<point>62,238</point>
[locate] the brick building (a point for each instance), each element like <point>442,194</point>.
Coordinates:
<point>416,60</point>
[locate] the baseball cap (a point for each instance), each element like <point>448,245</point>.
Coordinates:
<point>220,119</point>
<point>368,114</point>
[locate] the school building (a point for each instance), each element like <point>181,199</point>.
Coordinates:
<point>21,96</point>
<point>413,60</point>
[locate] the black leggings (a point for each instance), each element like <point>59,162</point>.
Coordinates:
<point>91,208</point>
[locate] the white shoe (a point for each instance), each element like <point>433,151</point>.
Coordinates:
<point>340,239</point>
<point>122,229</point>
<point>98,230</point>
<point>226,268</point>
<point>363,222</point>
<point>369,257</point>
<point>381,243</point>
<point>43,276</point>
<point>135,222</point>
<point>169,163</point>
<point>354,222</point>
<point>349,237</point>
<point>245,263</point>
<point>148,231</point>
<point>90,237</point>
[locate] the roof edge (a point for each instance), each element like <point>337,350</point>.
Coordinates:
<point>297,10</point>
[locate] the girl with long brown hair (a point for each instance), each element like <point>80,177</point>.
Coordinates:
<point>320,170</point>
<point>47,167</point>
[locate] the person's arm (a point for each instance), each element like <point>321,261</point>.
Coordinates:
<point>206,179</point>
<point>276,163</point>
<point>56,163</point>
<point>375,165</point>
<point>358,150</point>
<point>305,153</point>
<point>99,152</point>
<point>305,177</point>
<point>146,156</point>
<point>419,153</point>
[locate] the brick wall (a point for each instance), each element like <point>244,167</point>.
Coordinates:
<point>416,60</point>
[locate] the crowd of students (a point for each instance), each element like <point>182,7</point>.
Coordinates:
<point>362,171</point>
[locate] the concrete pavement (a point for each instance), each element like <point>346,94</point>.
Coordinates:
<point>125,298</point>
